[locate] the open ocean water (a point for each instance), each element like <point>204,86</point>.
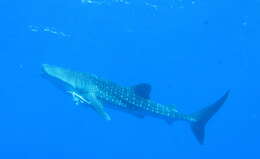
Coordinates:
<point>190,51</point>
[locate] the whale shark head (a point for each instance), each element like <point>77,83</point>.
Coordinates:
<point>60,77</point>
<point>54,71</point>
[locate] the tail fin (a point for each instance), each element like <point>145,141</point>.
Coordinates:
<point>203,116</point>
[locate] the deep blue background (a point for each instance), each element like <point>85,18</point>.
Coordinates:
<point>190,53</point>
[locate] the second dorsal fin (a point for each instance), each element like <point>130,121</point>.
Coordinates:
<point>142,90</point>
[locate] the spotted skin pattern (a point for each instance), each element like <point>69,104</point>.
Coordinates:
<point>117,97</point>
<point>96,92</point>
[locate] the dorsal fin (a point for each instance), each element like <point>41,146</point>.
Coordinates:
<point>143,90</point>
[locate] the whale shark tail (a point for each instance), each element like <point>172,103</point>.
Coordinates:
<point>203,116</point>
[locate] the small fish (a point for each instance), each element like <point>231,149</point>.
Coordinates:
<point>96,92</point>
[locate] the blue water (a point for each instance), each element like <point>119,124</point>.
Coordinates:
<point>191,52</point>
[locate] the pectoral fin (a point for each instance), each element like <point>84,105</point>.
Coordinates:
<point>96,105</point>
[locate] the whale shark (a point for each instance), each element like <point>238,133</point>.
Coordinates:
<point>96,92</point>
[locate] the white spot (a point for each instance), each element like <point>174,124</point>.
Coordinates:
<point>244,24</point>
<point>254,116</point>
<point>244,21</point>
<point>21,66</point>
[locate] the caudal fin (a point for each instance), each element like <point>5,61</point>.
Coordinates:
<point>203,116</point>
